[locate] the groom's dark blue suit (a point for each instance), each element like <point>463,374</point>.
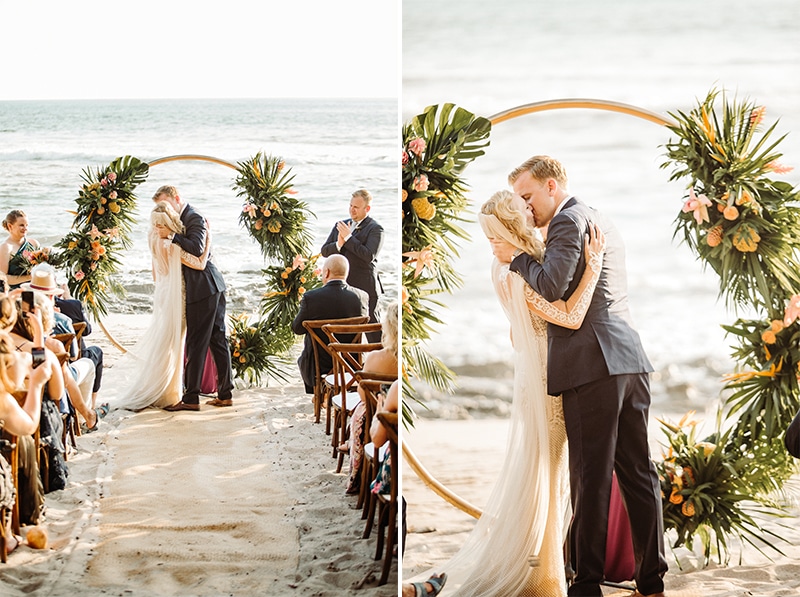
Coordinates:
<point>205,313</point>
<point>601,371</point>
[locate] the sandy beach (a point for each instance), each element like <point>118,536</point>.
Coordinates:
<point>464,455</point>
<point>227,501</point>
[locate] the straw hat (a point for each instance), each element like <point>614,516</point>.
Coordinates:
<point>43,279</point>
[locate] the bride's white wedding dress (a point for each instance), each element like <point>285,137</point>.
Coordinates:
<point>151,373</point>
<point>516,547</point>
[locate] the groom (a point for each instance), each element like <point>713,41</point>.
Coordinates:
<point>601,372</point>
<point>205,309</point>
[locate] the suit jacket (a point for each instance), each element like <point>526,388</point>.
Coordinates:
<point>334,300</point>
<point>606,343</point>
<point>361,251</point>
<point>200,284</point>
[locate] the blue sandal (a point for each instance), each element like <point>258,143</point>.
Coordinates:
<point>436,581</point>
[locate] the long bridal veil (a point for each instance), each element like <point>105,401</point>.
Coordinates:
<point>516,547</point>
<point>150,373</point>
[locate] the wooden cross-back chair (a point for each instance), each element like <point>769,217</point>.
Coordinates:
<point>371,385</point>
<point>347,359</point>
<point>387,512</point>
<point>71,426</point>
<point>347,348</point>
<point>322,386</point>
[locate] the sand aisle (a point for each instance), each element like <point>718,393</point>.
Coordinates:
<point>189,508</point>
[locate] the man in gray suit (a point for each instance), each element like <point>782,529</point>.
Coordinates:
<point>602,373</point>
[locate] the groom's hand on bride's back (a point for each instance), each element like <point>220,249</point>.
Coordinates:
<point>503,250</point>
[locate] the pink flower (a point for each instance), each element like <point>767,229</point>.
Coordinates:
<point>249,209</point>
<point>112,232</point>
<point>778,168</point>
<point>757,115</point>
<point>112,195</point>
<point>792,310</point>
<point>416,146</point>
<point>112,176</point>
<point>79,275</point>
<point>698,204</point>
<point>420,183</point>
<point>104,182</point>
<point>405,157</point>
<point>95,233</point>
<point>299,261</point>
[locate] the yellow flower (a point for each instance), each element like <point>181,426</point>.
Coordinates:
<point>114,207</point>
<point>746,240</point>
<point>72,245</point>
<point>423,208</point>
<point>688,509</point>
<point>405,194</point>
<point>708,448</point>
<point>274,227</point>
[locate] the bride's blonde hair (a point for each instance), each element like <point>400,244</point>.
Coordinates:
<point>164,214</point>
<point>513,226</point>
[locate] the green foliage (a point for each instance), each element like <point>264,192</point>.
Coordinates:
<point>286,286</point>
<point>437,145</point>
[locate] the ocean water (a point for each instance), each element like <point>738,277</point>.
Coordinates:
<point>489,57</point>
<point>333,147</point>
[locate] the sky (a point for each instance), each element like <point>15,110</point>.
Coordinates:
<point>101,49</point>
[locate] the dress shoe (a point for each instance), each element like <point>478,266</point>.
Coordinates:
<point>218,402</point>
<point>182,406</point>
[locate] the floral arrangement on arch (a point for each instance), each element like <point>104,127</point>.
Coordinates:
<point>437,145</point>
<point>101,228</point>
<point>271,213</point>
<point>745,225</point>
<point>286,286</point>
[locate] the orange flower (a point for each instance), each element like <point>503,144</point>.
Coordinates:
<point>301,290</point>
<point>744,198</point>
<point>768,337</point>
<point>675,497</point>
<point>757,115</point>
<point>776,325</point>
<point>730,213</point>
<point>688,509</point>
<point>274,227</point>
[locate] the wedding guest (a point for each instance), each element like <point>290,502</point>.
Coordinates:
<point>429,588</point>
<point>334,300</point>
<point>359,239</point>
<point>74,310</point>
<point>18,367</point>
<point>377,361</point>
<point>12,259</point>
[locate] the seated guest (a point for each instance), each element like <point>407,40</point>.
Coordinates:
<point>377,361</point>
<point>83,371</point>
<point>13,262</point>
<point>19,374</point>
<point>334,300</point>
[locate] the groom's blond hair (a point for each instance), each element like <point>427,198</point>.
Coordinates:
<point>541,168</point>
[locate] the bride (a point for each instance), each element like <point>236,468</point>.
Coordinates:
<point>152,371</point>
<point>516,547</point>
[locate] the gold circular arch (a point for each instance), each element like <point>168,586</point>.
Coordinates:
<point>559,104</point>
<point>156,162</point>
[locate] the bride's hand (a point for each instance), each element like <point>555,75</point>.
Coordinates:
<point>502,250</point>
<point>595,240</point>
